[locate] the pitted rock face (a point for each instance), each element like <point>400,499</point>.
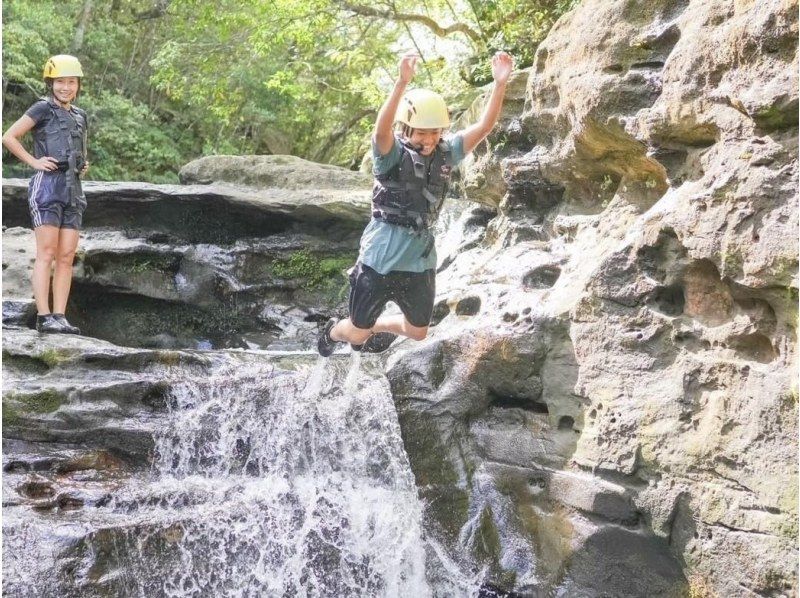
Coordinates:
<point>646,245</point>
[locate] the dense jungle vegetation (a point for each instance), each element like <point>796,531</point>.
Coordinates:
<point>170,80</point>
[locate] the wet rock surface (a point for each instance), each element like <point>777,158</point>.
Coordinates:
<point>200,266</point>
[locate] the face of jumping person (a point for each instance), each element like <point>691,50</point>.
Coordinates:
<point>65,89</point>
<point>425,140</point>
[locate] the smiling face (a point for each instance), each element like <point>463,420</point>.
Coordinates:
<point>65,89</point>
<point>425,140</point>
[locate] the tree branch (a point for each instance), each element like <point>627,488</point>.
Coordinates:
<point>80,30</point>
<point>336,135</point>
<point>159,10</point>
<point>368,11</point>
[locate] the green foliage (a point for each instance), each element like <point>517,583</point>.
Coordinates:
<point>247,76</point>
<point>516,26</point>
<point>128,141</point>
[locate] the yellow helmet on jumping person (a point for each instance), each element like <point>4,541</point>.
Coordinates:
<point>62,65</point>
<point>423,109</point>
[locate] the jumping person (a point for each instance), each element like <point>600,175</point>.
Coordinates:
<point>397,257</point>
<point>55,198</point>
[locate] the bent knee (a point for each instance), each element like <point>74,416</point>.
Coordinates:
<point>418,334</point>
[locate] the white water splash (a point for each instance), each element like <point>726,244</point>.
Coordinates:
<point>278,483</point>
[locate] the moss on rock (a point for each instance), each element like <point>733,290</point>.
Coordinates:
<point>316,272</point>
<point>45,401</point>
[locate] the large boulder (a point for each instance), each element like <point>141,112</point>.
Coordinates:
<point>219,213</point>
<point>200,266</point>
<point>281,171</point>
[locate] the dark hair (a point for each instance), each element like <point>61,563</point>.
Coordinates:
<point>48,83</point>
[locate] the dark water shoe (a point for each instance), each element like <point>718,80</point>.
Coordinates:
<point>49,324</point>
<point>68,328</point>
<point>377,343</point>
<point>325,344</point>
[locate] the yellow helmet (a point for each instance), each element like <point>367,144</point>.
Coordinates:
<point>423,109</point>
<point>62,65</point>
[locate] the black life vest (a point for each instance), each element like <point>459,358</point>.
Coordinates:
<point>63,137</point>
<point>411,194</point>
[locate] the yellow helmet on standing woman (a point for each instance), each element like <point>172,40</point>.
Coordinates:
<point>423,109</point>
<point>62,65</point>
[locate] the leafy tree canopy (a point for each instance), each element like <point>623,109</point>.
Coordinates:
<point>170,80</point>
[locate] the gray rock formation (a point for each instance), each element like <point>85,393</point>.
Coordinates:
<point>199,265</point>
<point>280,172</point>
<point>607,405</point>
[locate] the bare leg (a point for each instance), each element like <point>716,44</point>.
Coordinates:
<point>346,331</point>
<point>401,326</point>
<point>46,246</point>
<point>62,279</point>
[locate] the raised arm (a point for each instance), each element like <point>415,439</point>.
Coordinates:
<point>384,135</point>
<point>11,140</point>
<point>502,65</point>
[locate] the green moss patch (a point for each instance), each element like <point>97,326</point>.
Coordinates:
<point>10,414</point>
<point>16,405</point>
<point>24,363</point>
<point>54,357</point>
<point>774,118</point>
<point>316,272</point>
<point>39,362</point>
<point>45,401</point>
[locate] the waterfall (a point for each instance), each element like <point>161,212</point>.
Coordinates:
<point>273,475</point>
<point>274,482</point>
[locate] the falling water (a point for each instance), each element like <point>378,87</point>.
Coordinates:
<point>272,482</point>
<point>274,476</point>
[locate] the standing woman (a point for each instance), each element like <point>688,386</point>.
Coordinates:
<point>55,197</point>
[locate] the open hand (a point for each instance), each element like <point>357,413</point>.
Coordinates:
<point>45,163</point>
<point>408,66</point>
<point>502,65</point>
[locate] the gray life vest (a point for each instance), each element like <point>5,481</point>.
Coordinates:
<point>411,194</point>
<point>63,137</point>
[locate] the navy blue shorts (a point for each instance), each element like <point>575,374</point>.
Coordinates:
<point>413,292</point>
<point>49,201</point>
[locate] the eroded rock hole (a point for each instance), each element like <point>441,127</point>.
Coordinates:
<point>669,300</point>
<point>440,311</point>
<point>707,297</point>
<point>526,403</point>
<point>565,422</point>
<point>754,347</point>
<point>543,277</point>
<point>469,306</point>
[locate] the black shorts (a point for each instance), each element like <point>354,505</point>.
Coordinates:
<point>413,292</point>
<point>49,202</point>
